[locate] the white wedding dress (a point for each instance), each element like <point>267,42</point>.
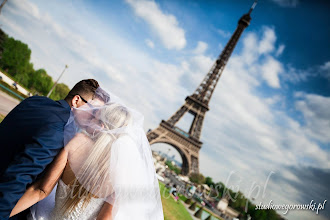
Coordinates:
<point>90,212</point>
<point>43,211</point>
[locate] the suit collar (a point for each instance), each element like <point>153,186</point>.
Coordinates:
<point>64,104</point>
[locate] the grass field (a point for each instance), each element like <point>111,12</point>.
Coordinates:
<point>172,210</point>
<point>1,117</point>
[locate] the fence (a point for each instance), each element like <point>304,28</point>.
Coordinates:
<point>11,82</point>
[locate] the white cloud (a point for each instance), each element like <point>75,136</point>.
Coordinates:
<point>315,109</point>
<point>164,25</point>
<point>201,47</point>
<point>325,68</point>
<point>195,69</point>
<point>201,64</point>
<point>287,3</point>
<point>294,75</point>
<point>257,56</point>
<point>223,33</point>
<point>250,49</point>
<point>267,42</point>
<point>270,72</point>
<point>280,50</point>
<point>273,100</point>
<point>29,8</point>
<point>150,43</point>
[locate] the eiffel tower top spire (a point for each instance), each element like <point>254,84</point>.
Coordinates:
<point>205,90</point>
<point>253,6</point>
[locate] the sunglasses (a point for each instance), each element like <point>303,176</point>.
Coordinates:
<point>84,100</point>
<point>95,109</point>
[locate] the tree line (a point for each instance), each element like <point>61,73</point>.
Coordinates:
<point>15,60</point>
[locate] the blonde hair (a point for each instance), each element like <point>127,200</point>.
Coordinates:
<point>96,167</point>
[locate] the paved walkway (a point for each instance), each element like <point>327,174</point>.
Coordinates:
<point>7,103</point>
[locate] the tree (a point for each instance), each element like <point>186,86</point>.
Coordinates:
<point>197,178</point>
<point>23,78</point>
<point>272,215</point>
<point>239,202</point>
<point>188,201</point>
<point>208,181</point>
<point>60,92</point>
<point>3,38</point>
<point>219,187</point>
<point>176,169</point>
<point>40,81</point>
<point>15,57</point>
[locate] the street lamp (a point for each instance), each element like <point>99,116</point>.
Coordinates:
<point>168,153</point>
<point>51,90</point>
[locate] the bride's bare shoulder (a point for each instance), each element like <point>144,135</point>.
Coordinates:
<point>81,136</point>
<point>78,140</point>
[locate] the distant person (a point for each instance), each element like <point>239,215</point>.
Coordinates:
<point>31,135</point>
<point>174,193</point>
<point>191,190</point>
<point>15,85</point>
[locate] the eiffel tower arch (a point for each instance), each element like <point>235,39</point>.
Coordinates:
<point>181,148</point>
<point>188,144</point>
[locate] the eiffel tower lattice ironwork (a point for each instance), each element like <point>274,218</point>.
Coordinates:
<point>189,144</point>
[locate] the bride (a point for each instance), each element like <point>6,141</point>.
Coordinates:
<point>105,171</point>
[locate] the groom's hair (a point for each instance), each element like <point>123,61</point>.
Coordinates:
<point>83,88</point>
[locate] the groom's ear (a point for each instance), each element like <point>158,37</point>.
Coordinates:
<point>75,101</point>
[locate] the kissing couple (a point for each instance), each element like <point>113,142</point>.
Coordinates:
<point>85,157</point>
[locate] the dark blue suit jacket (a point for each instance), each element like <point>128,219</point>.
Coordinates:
<point>31,135</point>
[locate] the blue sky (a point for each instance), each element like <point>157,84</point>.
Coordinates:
<point>270,110</point>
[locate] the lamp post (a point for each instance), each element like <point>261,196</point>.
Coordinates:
<point>51,90</point>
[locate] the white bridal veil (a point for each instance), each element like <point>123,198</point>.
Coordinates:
<point>111,158</point>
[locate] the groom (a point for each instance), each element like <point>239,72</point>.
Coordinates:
<point>31,135</point>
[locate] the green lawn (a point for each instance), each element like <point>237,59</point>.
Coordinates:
<point>172,210</point>
<point>1,117</point>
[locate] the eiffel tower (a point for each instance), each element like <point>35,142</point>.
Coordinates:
<point>197,104</point>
